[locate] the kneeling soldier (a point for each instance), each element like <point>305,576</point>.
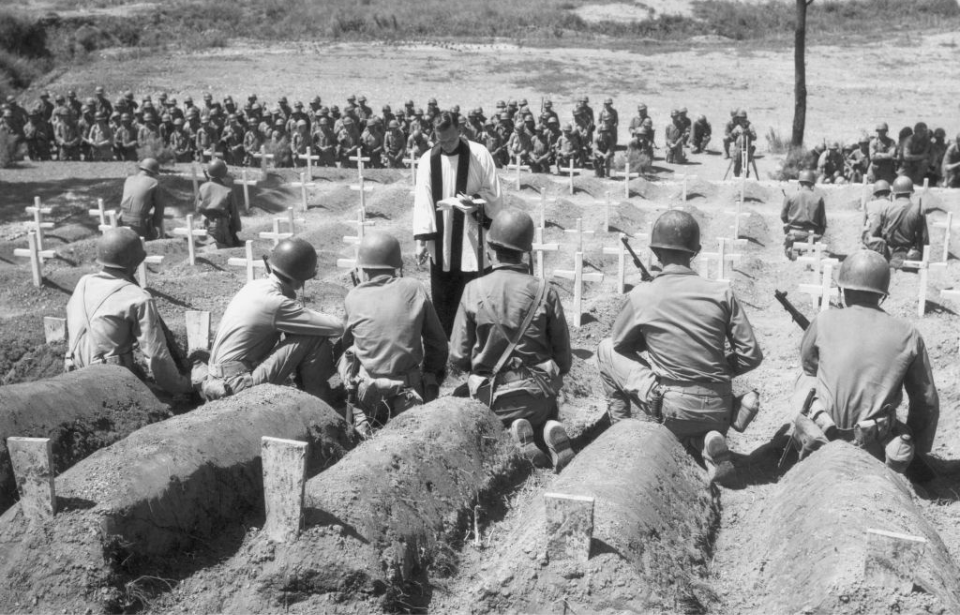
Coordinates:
<point>857,362</point>
<point>682,321</point>
<point>395,349</point>
<point>266,335</point>
<point>511,336</point>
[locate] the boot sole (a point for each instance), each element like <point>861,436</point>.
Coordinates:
<point>522,433</point>
<point>558,443</point>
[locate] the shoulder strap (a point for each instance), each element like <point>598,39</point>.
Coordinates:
<point>535,304</point>
<point>88,316</point>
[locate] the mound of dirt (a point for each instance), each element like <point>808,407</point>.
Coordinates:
<point>383,518</point>
<point>136,508</point>
<point>808,550</point>
<point>80,412</point>
<point>43,361</point>
<point>654,519</point>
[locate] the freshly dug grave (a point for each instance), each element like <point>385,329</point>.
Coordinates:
<point>82,411</point>
<point>809,547</point>
<point>137,509</point>
<point>654,520</point>
<point>384,519</point>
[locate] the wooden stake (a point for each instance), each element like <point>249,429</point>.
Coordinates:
<point>284,477</point>
<point>246,182</point>
<point>539,248</point>
<point>571,172</point>
<point>198,330</point>
<point>100,213</point>
<point>39,225</point>
<point>32,461</point>
<point>620,251</point>
<point>569,526</point>
<point>196,186</point>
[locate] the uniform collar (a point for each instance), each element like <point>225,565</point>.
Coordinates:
<point>677,270</point>
<point>520,267</point>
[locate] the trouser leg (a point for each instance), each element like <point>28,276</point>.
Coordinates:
<point>446,288</point>
<point>310,357</point>
<point>625,379</point>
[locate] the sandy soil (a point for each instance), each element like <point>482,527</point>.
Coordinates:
<point>851,88</point>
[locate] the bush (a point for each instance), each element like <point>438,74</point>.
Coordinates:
<point>797,159</point>
<point>775,143</point>
<point>155,148</point>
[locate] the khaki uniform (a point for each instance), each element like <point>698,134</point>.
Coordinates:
<point>265,336</point>
<point>951,177</point>
<point>108,316</point>
<point>490,314</point>
<point>804,217</point>
<point>682,321</point>
<point>883,152</point>
<point>860,359</point>
<point>221,213</point>
<point>141,207</point>
<point>394,342</point>
<point>900,232</point>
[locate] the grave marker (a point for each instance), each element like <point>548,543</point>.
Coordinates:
<point>303,184</point>
<point>363,190</point>
<point>32,461</point>
<point>571,171</point>
<point>923,267</point>
<point>359,159</point>
<point>284,477</point>
<point>246,182</point>
<point>539,248</point>
<point>579,232</point>
<point>142,267</point>
<point>519,168</point>
<point>569,526</point>
<point>249,262</point>
<point>275,235</point>
<point>620,251</point>
<point>39,225</point>
<point>722,256</point>
<point>36,257</point>
<point>189,232</point>
<point>823,291</point>
<point>198,330</point>
<point>100,213</point>
<point>54,329</point>
<point>578,277</point>
<point>947,226</point>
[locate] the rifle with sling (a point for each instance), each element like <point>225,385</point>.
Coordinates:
<point>802,321</point>
<point>644,273</point>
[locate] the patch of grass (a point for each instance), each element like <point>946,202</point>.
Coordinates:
<point>797,160</point>
<point>775,143</point>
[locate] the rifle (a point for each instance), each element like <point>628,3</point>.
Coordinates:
<point>644,274</point>
<point>795,314</point>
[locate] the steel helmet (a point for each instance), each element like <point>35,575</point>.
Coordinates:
<point>217,168</point>
<point>742,113</point>
<point>641,107</point>
<point>903,185</point>
<point>568,127</point>
<point>393,124</point>
<point>865,270</point>
<point>648,122</point>
<point>834,145</point>
<point>512,229</point>
<point>682,110</point>
<point>120,248</point>
<point>882,126</point>
<point>701,119</point>
<point>807,177</point>
<point>676,230</point>
<point>379,250</point>
<point>294,259</point>
<point>882,185</point>
<point>150,165</point>
<point>608,101</point>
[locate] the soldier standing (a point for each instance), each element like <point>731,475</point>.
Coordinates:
<point>603,150</point>
<point>915,154</point>
<point>951,164</point>
<point>100,138</point>
<point>608,115</point>
<point>883,154</point>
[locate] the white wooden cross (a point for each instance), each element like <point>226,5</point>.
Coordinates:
<point>360,222</point>
<point>627,175</point>
<point>210,154</point>
<point>954,295</point>
<point>412,161</point>
<point>360,159</point>
<point>579,232</point>
<point>722,257</point>
<point>114,222</point>
<point>923,267</point>
<point>571,171</point>
<point>817,247</point>
<point>519,167</point>
<point>947,226</point>
<point>310,157</point>
<point>196,186</point>
<point>578,277</point>
<point>606,212</point>
<point>620,251</point>
<point>363,190</point>
<point>823,291</point>
<point>275,235</point>
<point>246,182</point>
<point>263,155</point>
<point>737,214</point>
<point>189,232</point>
<point>149,260</point>
<point>36,257</point>
<point>249,262</point>
<point>39,225</point>
<point>303,184</point>
<point>100,212</point>
<point>539,248</point>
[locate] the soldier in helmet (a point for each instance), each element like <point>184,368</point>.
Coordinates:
<point>100,138</point>
<point>685,125</point>
<point>883,156</point>
<point>494,143</point>
<point>548,112</point>
<point>180,142</point>
<point>143,201</point>
<point>38,136</point>
<point>371,142</point>
<point>568,149</point>
<point>858,361</point>
<point>325,142</point>
<point>637,121</point>
<point>267,335</point>
<point>830,165</point>
<point>218,204</point>
<point>394,144</point>
<point>951,164</point>
<point>938,147</point>
<point>700,133</point>
<point>511,337</point>
<point>300,142</point>
<point>728,136</point>
<point>109,315</point>
<point>857,162</point>
<point>348,143</point>
<point>603,150</point>
<point>901,231</point>
<point>683,322</point>
<point>674,136</point>
<point>385,378</point>
<point>744,138</point>
<point>447,221</point>
<point>874,208</point>
<point>803,214</point>
<point>67,137</point>
<point>915,153</point>
<point>609,116</point>
<point>231,141</point>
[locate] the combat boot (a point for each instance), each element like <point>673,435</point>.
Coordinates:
<point>522,433</point>
<point>718,459</point>
<point>558,443</point>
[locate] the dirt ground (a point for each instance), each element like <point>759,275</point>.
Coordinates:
<point>850,89</point>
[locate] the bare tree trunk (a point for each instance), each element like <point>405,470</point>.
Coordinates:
<point>800,74</point>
